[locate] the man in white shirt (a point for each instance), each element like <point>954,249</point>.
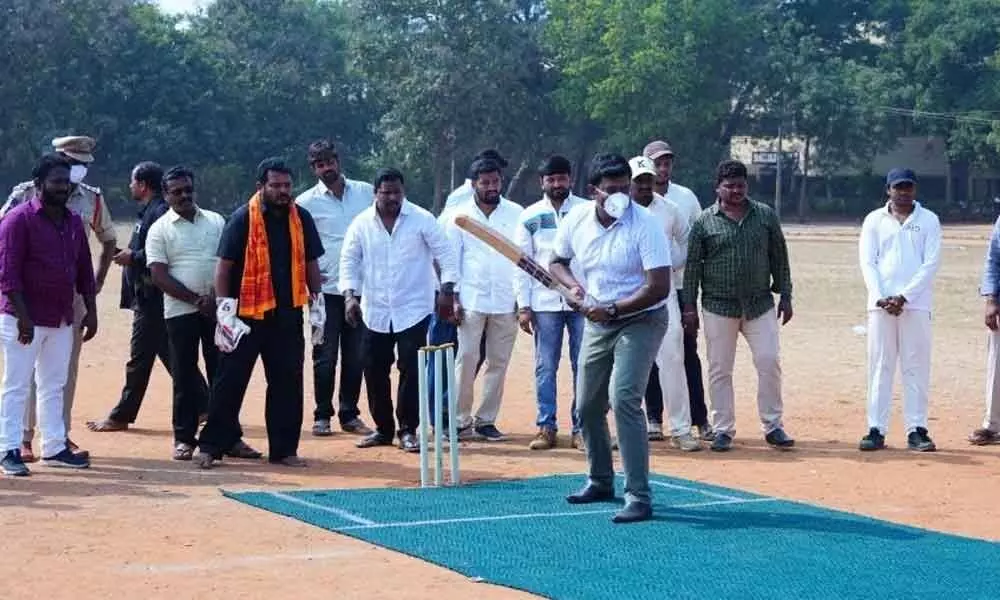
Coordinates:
<point>180,251</point>
<point>387,256</point>
<point>624,256</point>
<point>989,289</point>
<point>900,250</point>
<point>334,202</point>
<point>465,192</point>
<point>668,369</point>
<point>485,301</point>
<point>662,156</point>
<point>543,313</point>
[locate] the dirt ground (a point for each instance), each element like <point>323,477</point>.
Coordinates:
<point>139,524</point>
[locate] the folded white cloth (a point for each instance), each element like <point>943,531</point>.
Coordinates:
<point>229,329</point>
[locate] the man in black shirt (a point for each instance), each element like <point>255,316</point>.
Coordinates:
<point>267,272</point>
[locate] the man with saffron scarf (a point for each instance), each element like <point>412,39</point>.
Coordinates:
<point>267,273</point>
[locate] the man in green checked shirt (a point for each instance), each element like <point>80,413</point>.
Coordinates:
<point>738,258</point>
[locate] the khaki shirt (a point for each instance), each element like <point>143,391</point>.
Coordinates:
<point>85,200</point>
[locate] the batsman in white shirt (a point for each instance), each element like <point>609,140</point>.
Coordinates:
<point>387,260</point>
<point>900,249</point>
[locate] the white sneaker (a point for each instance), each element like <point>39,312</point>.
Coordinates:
<point>655,431</point>
<point>685,443</point>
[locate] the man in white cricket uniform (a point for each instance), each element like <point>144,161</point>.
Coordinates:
<point>542,313</point>
<point>625,259</point>
<point>900,249</point>
<point>669,365</point>
<point>485,301</point>
<point>989,288</point>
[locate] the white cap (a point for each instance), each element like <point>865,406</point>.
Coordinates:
<point>640,165</point>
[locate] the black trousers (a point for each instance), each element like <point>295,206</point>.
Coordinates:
<point>696,386</point>
<point>338,335</point>
<point>279,342</point>
<point>185,333</point>
<point>380,348</point>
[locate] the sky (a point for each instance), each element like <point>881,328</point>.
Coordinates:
<point>179,6</point>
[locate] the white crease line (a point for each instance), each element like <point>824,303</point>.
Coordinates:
<point>232,563</point>
<point>674,486</point>
<point>343,514</point>
<point>539,515</point>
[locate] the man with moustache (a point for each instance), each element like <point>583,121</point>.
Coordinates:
<point>687,202</point>
<point>669,365</point>
<point>625,260</point>
<point>484,302</point>
<point>388,252</point>
<point>44,263</point>
<point>88,202</point>
<point>738,258</point>
<point>543,313</point>
<point>180,251</point>
<point>334,202</point>
<point>266,274</point>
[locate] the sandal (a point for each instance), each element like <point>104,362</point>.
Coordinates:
<point>183,451</point>
<point>27,454</point>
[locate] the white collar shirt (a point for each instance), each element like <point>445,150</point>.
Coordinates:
<point>485,277</point>
<point>689,206</point>
<point>460,194</point>
<point>332,216</point>
<point>900,258</point>
<point>614,260</point>
<point>188,249</point>
<point>535,236</point>
<point>393,272</point>
<point>677,229</point>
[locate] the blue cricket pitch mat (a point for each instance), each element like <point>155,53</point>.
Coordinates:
<point>705,542</point>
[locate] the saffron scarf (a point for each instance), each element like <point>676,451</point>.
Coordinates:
<point>256,288</point>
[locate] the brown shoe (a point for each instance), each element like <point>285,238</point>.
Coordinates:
<point>27,454</point>
<point>544,440</point>
<point>357,427</point>
<point>979,437</point>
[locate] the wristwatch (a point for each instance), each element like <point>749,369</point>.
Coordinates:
<point>612,310</point>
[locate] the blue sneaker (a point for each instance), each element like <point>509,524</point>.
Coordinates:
<point>12,465</point>
<point>67,460</point>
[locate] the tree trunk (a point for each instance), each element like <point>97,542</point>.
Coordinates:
<point>803,188</point>
<point>517,182</point>
<point>437,168</point>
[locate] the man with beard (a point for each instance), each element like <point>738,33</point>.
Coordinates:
<point>334,202</point>
<point>88,202</point>
<point>687,202</point>
<point>543,313</point>
<point>149,333</point>
<point>485,302</point>
<point>180,251</point>
<point>624,256</point>
<point>738,258</point>
<point>44,262</point>
<point>388,253</point>
<point>669,365</point>
<point>267,273</point>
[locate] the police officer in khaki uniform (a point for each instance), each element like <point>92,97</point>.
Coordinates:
<point>88,202</point>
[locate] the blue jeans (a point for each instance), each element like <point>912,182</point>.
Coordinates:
<point>548,338</point>
<point>442,332</point>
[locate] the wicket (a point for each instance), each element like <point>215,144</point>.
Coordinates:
<point>442,368</point>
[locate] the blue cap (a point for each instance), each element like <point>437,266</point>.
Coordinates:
<point>900,176</point>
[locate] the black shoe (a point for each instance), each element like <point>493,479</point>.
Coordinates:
<point>374,439</point>
<point>591,493</point>
<point>408,443</point>
<point>918,441</point>
<point>491,433</point>
<point>12,464</point>
<point>779,439</point>
<point>633,513</point>
<point>723,442</point>
<point>873,441</point>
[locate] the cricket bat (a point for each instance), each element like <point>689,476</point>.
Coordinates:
<point>510,251</point>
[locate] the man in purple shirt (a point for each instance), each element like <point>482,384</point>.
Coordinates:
<point>44,260</point>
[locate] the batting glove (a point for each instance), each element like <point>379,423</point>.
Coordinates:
<point>229,329</point>
<point>317,318</point>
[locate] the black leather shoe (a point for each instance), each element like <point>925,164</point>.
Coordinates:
<point>633,512</point>
<point>591,493</point>
<point>374,439</point>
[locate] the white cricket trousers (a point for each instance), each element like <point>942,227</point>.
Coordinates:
<point>673,377</point>
<point>47,357</point>
<point>761,334</point>
<point>501,331</point>
<point>905,340</point>
<point>992,419</point>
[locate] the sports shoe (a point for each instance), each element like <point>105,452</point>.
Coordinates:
<point>779,439</point>
<point>685,443</point>
<point>655,431</point>
<point>12,465</point>
<point>919,441</point>
<point>723,442</point>
<point>544,439</point>
<point>490,433</point>
<point>873,441</point>
<point>321,428</point>
<point>65,459</point>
